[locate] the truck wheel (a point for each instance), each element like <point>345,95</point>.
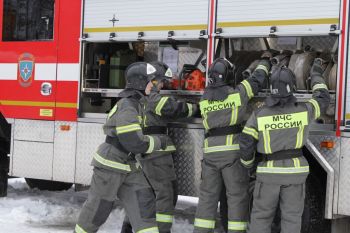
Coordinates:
<point>313,216</point>
<point>48,185</point>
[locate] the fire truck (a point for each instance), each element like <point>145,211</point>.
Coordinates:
<point>62,65</point>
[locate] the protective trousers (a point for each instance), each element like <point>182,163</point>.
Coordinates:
<point>133,191</point>
<point>160,174</point>
<point>236,181</point>
<point>266,199</point>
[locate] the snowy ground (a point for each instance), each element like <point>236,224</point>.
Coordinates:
<point>34,211</point>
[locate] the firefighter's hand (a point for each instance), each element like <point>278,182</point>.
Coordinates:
<point>264,63</point>
<point>248,166</point>
<point>163,142</point>
<point>195,109</point>
<point>252,173</point>
<point>317,68</point>
<point>251,168</point>
<point>268,54</point>
<point>131,156</point>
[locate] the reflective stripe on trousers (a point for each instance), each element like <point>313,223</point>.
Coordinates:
<point>204,223</point>
<point>283,170</point>
<point>237,226</point>
<point>149,230</point>
<point>165,218</point>
<point>78,229</point>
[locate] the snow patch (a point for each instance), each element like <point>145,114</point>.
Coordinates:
<point>34,211</point>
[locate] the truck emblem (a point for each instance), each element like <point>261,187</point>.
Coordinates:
<point>26,68</point>
<point>114,20</point>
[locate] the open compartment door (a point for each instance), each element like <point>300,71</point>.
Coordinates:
<point>146,20</point>
<point>277,18</point>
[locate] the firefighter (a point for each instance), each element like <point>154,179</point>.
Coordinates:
<point>223,109</point>
<point>279,130</point>
<point>116,172</point>
<point>158,167</point>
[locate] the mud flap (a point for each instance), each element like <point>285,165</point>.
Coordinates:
<point>4,169</point>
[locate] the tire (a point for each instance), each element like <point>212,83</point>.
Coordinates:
<point>313,216</point>
<point>48,185</point>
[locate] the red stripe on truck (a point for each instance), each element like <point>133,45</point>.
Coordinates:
<point>341,64</point>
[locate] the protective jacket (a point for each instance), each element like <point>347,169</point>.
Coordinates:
<point>159,110</point>
<point>158,166</point>
<point>279,133</point>
<point>124,134</point>
<point>222,117</point>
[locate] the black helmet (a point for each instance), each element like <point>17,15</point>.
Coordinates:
<point>282,82</point>
<point>138,75</point>
<point>220,72</point>
<point>163,72</point>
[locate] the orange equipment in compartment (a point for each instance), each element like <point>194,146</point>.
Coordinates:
<point>194,81</point>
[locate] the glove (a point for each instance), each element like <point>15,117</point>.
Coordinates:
<point>247,166</point>
<point>248,72</point>
<point>195,109</point>
<point>252,173</point>
<point>163,142</point>
<point>131,156</point>
<point>280,60</point>
<point>268,54</point>
<point>317,68</point>
<point>265,63</point>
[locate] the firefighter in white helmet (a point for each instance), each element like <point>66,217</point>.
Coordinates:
<point>158,167</point>
<point>116,172</point>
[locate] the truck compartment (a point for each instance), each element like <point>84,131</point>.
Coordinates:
<point>104,64</point>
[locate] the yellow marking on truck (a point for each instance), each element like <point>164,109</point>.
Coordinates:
<point>46,112</point>
<point>147,28</point>
<point>279,22</point>
<point>66,105</point>
<point>347,116</point>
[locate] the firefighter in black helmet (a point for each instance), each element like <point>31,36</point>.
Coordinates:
<point>223,109</point>
<point>158,166</point>
<point>116,172</point>
<point>278,131</point>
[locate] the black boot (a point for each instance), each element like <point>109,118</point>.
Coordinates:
<point>126,228</point>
